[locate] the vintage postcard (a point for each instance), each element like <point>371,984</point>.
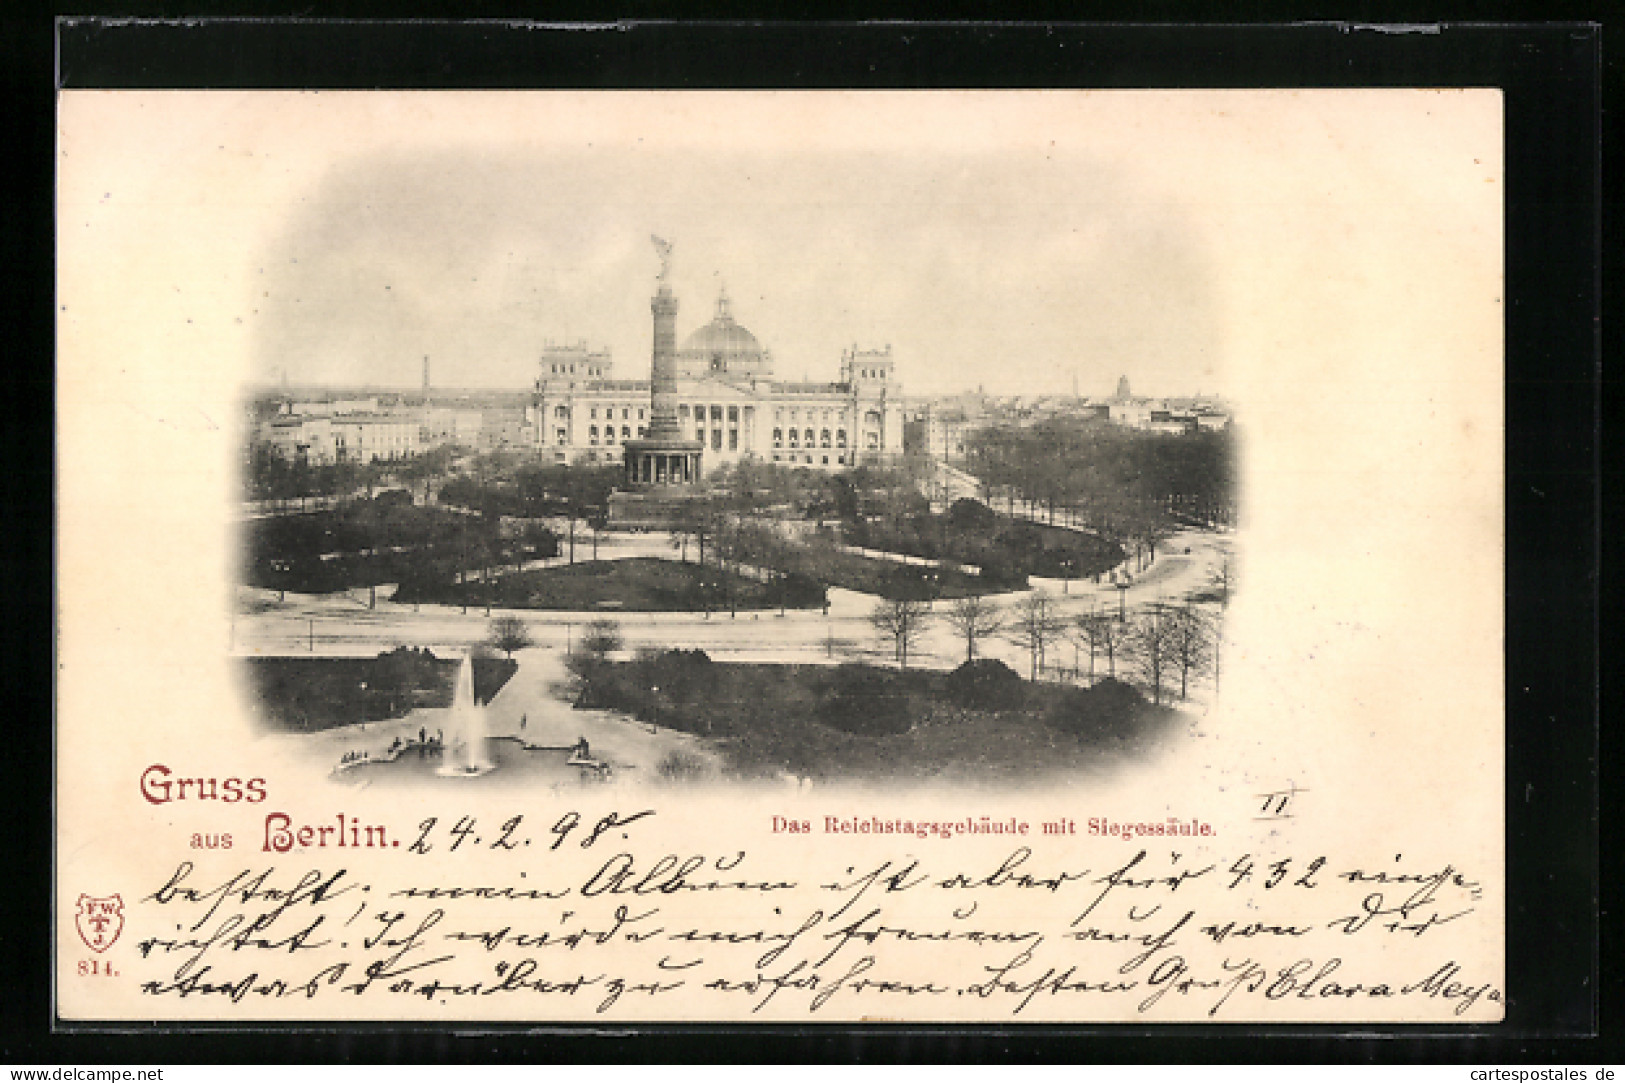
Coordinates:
<point>993,557</point>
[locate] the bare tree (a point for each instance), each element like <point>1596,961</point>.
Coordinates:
<point>901,621</point>
<point>1151,646</point>
<point>1157,531</point>
<point>1102,635</point>
<point>1225,580</point>
<point>974,618</point>
<point>1114,636</point>
<point>602,637</point>
<point>509,634</point>
<point>1190,643</point>
<point>1035,625</point>
<point>681,532</point>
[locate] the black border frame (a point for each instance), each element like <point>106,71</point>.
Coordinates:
<point>1553,79</point>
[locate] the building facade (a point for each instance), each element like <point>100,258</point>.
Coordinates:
<point>319,433</point>
<point>358,437</point>
<point>727,399</point>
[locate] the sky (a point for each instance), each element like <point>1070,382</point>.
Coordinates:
<point>1021,242</point>
<point>1015,276</point>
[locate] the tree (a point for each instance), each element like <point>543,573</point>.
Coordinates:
<point>597,519</point>
<point>370,518</point>
<point>1090,631</point>
<point>1225,580</point>
<point>1116,639</point>
<point>1190,643</point>
<point>1151,645</point>
<point>1156,533</point>
<point>1035,625</point>
<point>395,675</point>
<point>509,634</point>
<point>974,618</point>
<point>696,520</point>
<point>681,532</point>
<point>602,637</point>
<point>901,621</point>
<point>536,540</point>
<point>585,492</point>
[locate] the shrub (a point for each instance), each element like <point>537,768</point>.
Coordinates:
<point>395,675</point>
<point>865,701</point>
<point>683,676</point>
<point>601,683</point>
<point>985,682</point>
<point>802,591</point>
<point>971,515</point>
<point>680,766</point>
<point>1111,711</point>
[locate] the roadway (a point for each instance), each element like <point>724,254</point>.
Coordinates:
<point>1187,564</point>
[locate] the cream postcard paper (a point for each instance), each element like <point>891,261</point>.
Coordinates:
<point>295,788</point>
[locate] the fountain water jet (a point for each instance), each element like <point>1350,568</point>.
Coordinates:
<point>468,754</point>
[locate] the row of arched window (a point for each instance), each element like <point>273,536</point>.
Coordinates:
<point>805,437</point>
<point>568,368</point>
<point>840,459</point>
<point>561,412</point>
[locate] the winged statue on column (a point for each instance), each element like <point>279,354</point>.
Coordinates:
<point>662,247</point>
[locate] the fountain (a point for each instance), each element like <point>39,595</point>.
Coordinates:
<point>468,750</point>
<point>467,754</point>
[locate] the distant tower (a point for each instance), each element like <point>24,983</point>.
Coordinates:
<point>1122,388</point>
<point>663,365</point>
<point>425,377</point>
<point>662,456</point>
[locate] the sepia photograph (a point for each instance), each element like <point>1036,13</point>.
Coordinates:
<point>764,556</point>
<point>925,529</point>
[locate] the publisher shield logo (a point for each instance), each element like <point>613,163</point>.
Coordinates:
<point>99,921</point>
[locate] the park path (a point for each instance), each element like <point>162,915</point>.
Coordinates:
<point>341,624</point>
<point>529,709</point>
<point>633,749</point>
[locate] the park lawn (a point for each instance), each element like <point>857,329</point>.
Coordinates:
<point>369,542</point>
<point>860,722</point>
<point>890,579</point>
<point>635,585</point>
<point>1005,549</point>
<point>306,694</point>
